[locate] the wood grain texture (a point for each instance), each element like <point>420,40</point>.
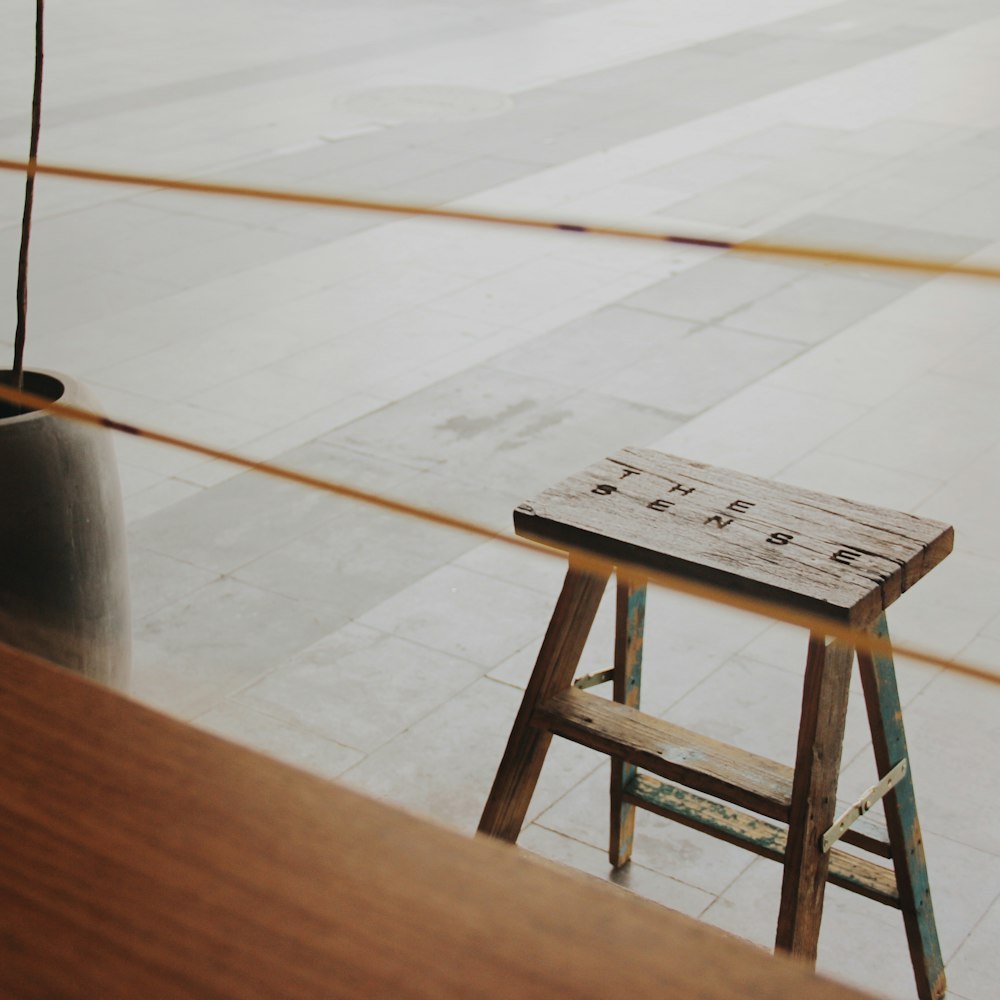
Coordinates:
<point>848,871</point>
<point>140,857</point>
<point>695,761</point>
<point>814,795</point>
<point>885,717</point>
<point>815,552</point>
<point>527,745</point>
<point>630,619</point>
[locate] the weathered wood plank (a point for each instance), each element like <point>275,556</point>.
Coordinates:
<point>885,716</point>
<point>659,746</point>
<point>820,553</point>
<point>527,745</point>
<point>758,835</point>
<point>814,796</point>
<point>630,617</point>
<point>711,766</point>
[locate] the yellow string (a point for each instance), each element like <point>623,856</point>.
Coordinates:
<point>926,265</point>
<point>583,558</point>
<point>580,557</point>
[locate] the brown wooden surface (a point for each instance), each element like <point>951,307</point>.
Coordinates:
<point>630,619</point>
<point>814,795</point>
<point>142,858</point>
<point>885,717</point>
<point>700,762</point>
<point>846,560</point>
<point>527,745</point>
<point>849,871</point>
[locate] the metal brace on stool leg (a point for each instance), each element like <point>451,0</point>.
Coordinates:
<point>593,680</point>
<point>874,794</point>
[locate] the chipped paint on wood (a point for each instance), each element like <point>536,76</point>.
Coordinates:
<point>757,835</point>
<point>630,619</point>
<point>885,716</point>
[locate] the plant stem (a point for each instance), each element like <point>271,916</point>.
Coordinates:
<point>29,198</point>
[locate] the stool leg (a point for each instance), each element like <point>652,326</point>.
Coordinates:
<point>629,622</point>
<point>527,745</point>
<point>814,795</point>
<point>885,716</point>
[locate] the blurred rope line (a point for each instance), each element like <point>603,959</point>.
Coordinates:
<point>762,248</point>
<point>581,558</point>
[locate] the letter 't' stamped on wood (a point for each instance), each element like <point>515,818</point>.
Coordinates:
<point>840,558</point>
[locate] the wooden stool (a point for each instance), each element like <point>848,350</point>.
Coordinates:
<point>844,560</point>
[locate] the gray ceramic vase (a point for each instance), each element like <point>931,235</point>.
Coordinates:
<point>64,591</point>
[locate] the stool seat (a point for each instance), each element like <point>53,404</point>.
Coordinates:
<point>848,561</point>
<point>843,561</point>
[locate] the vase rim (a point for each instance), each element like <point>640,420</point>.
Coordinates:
<point>37,381</point>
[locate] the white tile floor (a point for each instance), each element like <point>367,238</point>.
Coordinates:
<point>465,367</point>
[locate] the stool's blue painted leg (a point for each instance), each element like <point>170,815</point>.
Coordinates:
<point>629,622</point>
<point>885,716</point>
<point>527,745</point>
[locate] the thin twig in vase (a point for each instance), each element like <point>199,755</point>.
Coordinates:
<point>29,197</point>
